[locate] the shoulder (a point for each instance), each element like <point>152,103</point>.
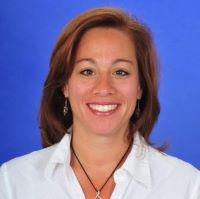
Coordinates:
<point>24,171</point>
<point>38,162</point>
<point>171,170</point>
<point>32,172</point>
<point>31,163</point>
<point>161,159</point>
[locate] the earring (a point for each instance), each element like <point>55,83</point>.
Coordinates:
<point>65,108</point>
<point>137,111</point>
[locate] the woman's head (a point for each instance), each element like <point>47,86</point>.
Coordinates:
<point>52,121</point>
<point>104,86</point>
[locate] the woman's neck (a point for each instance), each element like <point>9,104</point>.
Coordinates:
<point>96,150</point>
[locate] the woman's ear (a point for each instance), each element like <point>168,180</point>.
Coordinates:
<point>65,91</point>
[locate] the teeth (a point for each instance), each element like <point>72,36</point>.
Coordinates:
<point>103,108</point>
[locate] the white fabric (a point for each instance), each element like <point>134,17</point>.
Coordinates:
<point>146,174</point>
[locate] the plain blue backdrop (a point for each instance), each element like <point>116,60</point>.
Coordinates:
<point>28,32</point>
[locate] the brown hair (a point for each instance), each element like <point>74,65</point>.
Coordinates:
<point>53,123</point>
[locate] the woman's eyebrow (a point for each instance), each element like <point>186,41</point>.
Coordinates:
<point>123,60</point>
<point>85,59</point>
<point>90,60</point>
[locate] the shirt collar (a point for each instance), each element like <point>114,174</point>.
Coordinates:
<point>60,155</point>
<point>137,162</point>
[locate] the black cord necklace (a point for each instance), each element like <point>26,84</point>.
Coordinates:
<point>98,191</point>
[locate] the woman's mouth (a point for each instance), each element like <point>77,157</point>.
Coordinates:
<point>103,109</point>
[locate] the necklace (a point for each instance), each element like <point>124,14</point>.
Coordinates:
<point>98,191</point>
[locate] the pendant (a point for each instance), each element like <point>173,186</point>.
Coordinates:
<point>97,195</point>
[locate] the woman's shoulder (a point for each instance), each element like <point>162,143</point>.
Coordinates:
<point>32,171</point>
<point>163,163</point>
<point>40,162</point>
<point>29,162</point>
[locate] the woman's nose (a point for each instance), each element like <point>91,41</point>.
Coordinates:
<point>104,85</point>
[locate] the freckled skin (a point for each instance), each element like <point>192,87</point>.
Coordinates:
<point>105,71</point>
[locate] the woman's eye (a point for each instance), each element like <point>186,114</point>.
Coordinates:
<point>121,73</point>
<point>87,72</point>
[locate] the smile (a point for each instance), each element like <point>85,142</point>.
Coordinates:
<point>103,108</point>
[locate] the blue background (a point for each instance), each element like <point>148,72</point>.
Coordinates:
<point>28,32</point>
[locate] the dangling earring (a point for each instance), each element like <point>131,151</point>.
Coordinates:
<point>137,111</point>
<point>65,108</point>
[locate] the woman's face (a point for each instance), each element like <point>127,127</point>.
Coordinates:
<point>104,85</point>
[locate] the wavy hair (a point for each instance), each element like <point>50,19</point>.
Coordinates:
<point>53,123</point>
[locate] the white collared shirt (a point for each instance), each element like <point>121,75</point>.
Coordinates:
<point>146,174</point>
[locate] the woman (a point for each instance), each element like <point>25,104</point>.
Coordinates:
<point>98,108</point>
